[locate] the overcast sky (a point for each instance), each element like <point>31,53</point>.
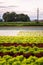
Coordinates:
<point>22,6</point>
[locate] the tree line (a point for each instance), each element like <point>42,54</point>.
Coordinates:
<point>13,17</point>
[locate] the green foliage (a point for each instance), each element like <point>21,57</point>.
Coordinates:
<point>32,60</point>
<point>39,61</point>
<point>21,49</point>
<point>15,17</point>
<point>2,61</point>
<point>21,39</point>
<point>20,23</point>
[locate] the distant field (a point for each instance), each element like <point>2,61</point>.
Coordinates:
<point>31,33</point>
<point>24,37</point>
<point>21,24</point>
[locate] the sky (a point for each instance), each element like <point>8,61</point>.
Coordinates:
<point>28,7</point>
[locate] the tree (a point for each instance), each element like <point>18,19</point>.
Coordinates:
<point>11,17</point>
<point>5,16</point>
<point>22,17</point>
<point>27,18</point>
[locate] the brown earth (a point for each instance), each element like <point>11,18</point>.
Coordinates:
<point>24,45</point>
<point>20,53</point>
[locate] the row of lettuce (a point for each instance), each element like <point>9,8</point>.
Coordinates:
<point>20,60</point>
<point>21,39</point>
<point>21,49</point>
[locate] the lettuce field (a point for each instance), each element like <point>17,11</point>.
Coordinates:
<point>23,49</point>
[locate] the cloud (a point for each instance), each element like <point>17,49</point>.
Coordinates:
<point>1,2</point>
<point>3,6</point>
<point>8,6</point>
<point>13,6</point>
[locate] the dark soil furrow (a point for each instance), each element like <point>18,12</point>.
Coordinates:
<point>40,45</point>
<point>20,53</point>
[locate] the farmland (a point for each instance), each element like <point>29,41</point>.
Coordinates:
<point>21,39</point>
<point>21,32</point>
<point>24,49</point>
<point>20,60</point>
<point>8,60</point>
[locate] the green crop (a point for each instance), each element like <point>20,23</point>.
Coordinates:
<point>21,49</point>
<point>20,60</point>
<point>21,39</point>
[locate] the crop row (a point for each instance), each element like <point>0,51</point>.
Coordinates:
<point>30,33</point>
<point>20,60</point>
<point>21,39</point>
<point>21,49</point>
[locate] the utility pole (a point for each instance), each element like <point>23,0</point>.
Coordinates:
<point>37,15</point>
